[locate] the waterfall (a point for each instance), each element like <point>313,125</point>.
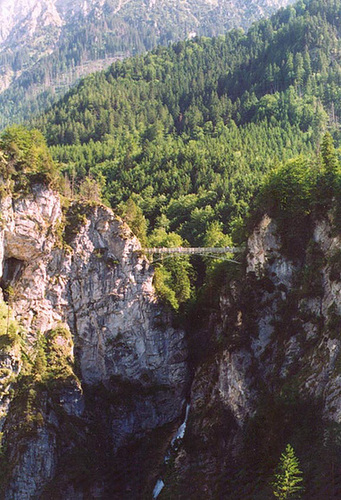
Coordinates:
<point>158,488</point>
<point>176,441</point>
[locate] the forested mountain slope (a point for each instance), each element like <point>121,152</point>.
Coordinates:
<point>98,374</point>
<point>46,45</point>
<point>189,131</point>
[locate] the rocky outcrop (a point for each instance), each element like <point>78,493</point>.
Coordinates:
<point>99,398</point>
<point>35,464</point>
<point>84,271</point>
<point>10,364</point>
<point>274,376</point>
<point>314,316</point>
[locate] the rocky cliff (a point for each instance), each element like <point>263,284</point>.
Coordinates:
<point>94,364</point>
<point>272,377</point>
<point>94,377</point>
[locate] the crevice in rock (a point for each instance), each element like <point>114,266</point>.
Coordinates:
<point>12,270</point>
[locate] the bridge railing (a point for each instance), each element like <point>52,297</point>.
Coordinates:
<point>190,251</point>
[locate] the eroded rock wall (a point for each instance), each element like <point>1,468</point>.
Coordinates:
<point>269,370</point>
<point>272,378</point>
<point>129,363</point>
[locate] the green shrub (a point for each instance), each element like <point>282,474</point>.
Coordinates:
<point>9,329</point>
<point>25,158</point>
<point>75,217</point>
<point>163,285</point>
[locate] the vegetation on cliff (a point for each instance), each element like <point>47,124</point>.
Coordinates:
<point>299,192</point>
<point>288,478</point>
<point>24,160</point>
<point>184,158</point>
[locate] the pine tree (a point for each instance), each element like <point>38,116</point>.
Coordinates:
<point>328,153</point>
<point>328,182</point>
<point>288,476</point>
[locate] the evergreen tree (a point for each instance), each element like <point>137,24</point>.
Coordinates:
<point>90,190</point>
<point>328,153</point>
<point>133,216</point>
<point>328,180</point>
<point>288,476</point>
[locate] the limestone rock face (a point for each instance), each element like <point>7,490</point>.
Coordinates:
<point>34,467</point>
<point>269,361</point>
<point>10,363</point>
<point>275,369</point>
<point>100,287</point>
<point>318,303</point>
<point>116,316</point>
<point>234,389</point>
<point>264,254</point>
<point>27,256</point>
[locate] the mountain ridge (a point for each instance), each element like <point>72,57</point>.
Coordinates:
<point>208,142</point>
<point>56,42</point>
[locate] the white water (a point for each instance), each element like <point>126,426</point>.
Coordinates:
<point>158,488</point>
<point>179,435</point>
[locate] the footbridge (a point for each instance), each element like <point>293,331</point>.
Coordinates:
<point>213,252</point>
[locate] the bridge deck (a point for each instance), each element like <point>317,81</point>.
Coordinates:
<point>190,251</point>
